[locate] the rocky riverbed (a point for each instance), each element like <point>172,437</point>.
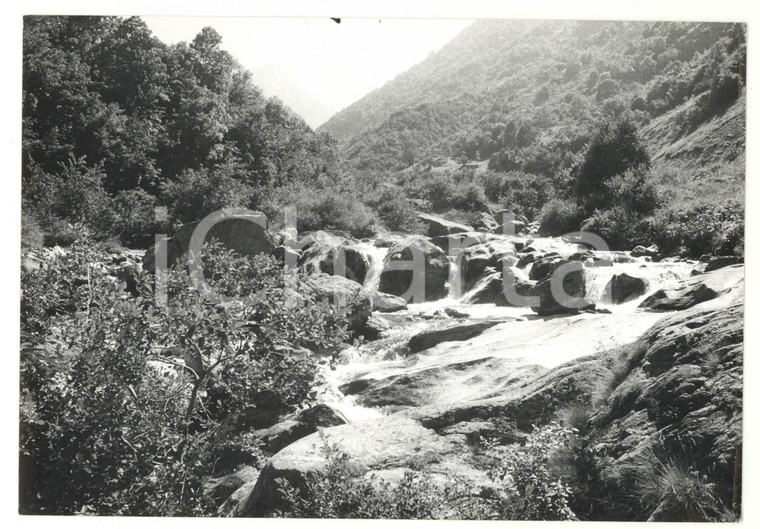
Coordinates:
<point>423,379</point>
<point>647,364</point>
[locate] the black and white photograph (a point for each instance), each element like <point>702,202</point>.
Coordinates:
<point>407,267</point>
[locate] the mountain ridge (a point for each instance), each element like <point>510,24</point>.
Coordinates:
<point>551,81</point>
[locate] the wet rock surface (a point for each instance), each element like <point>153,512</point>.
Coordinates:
<point>697,289</point>
<point>434,269</point>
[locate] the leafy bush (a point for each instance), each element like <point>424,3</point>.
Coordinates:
<point>444,195</point>
<point>128,406</point>
<point>634,191</point>
<point>396,212</point>
<point>135,223</point>
<point>196,193</point>
<point>620,229</point>
<point>530,488</point>
<point>32,236</point>
<point>524,193</point>
<point>331,209</point>
<point>560,216</point>
<point>61,233</point>
<point>448,190</point>
<point>701,227</point>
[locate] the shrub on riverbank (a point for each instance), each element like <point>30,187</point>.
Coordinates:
<point>560,216</point>
<point>128,406</point>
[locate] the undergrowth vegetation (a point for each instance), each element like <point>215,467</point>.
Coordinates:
<point>527,479</point>
<point>128,405</point>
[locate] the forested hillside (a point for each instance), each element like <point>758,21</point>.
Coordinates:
<point>115,121</point>
<point>525,95</point>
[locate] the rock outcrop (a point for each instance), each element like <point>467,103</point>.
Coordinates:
<point>382,448</point>
<point>674,418</point>
<point>440,227</point>
<point>341,292</point>
<point>306,422</point>
<point>383,302</point>
<point>410,256</point>
<point>719,261</point>
<point>474,260</point>
<point>246,234</point>
<point>624,287</point>
<point>329,253</point>
<point>695,290</point>
<point>567,298</point>
<point>491,288</point>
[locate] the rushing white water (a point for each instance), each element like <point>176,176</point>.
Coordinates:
<point>655,276</point>
<point>376,256</point>
<point>455,277</point>
<point>522,342</point>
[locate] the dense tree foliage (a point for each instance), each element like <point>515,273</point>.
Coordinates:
<point>614,149</point>
<point>109,109</point>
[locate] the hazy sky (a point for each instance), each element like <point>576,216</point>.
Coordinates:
<point>318,67</point>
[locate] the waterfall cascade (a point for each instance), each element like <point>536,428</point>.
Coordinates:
<point>376,256</point>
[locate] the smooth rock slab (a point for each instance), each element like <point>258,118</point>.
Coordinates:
<point>380,446</point>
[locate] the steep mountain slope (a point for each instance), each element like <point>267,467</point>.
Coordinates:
<point>525,95</point>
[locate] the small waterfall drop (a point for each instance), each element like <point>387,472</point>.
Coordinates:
<point>655,276</point>
<point>455,277</point>
<point>376,256</point>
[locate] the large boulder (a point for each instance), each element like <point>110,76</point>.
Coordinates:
<point>505,215</point>
<point>433,263</point>
<point>490,289</point>
<point>545,266</point>
<point>475,260</point>
<point>641,251</point>
<point>451,243</point>
<point>455,332</point>
<point>624,287</point>
<point>485,222</point>
<point>511,227</point>
<point>232,504</point>
<point>217,490</point>
<point>440,227</point>
<point>31,263</point>
<point>245,234</point>
<point>343,293</point>
<point>329,253</point>
<point>384,448</point>
<point>720,261</point>
<point>383,302</point>
<point>568,300</point>
<point>695,290</point>
<point>302,424</point>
